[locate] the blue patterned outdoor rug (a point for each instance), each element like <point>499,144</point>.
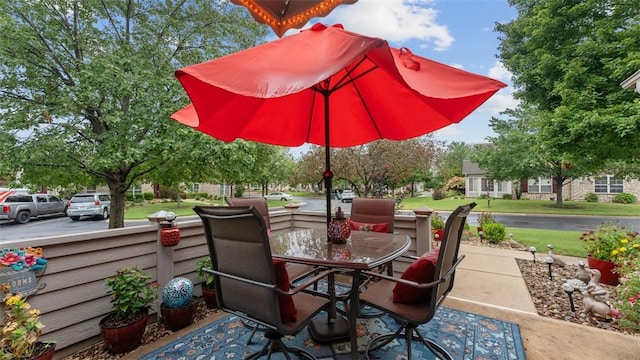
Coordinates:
<point>464,335</point>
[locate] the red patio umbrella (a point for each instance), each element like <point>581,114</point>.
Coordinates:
<point>282,15</point>
<point>327,86</point>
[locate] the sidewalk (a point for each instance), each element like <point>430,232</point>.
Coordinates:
<point>489,282</point>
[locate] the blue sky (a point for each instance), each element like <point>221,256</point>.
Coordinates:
<point>455,32</point>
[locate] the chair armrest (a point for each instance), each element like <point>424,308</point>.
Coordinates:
<point>293,291</point>
<point>307,283</point>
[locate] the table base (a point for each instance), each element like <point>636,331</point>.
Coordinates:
<point>322,331</point>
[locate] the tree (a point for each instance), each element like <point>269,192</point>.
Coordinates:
<point>522,151</point>
<point>272,164</point>
<point>568,58</point>
<point>454,155</point>
<point>87,87</point>
<point>372,168</point>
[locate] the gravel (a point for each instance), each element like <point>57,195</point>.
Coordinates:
<point>547,294</point>
<point>153,332</point>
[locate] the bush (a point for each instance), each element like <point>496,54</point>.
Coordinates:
<point>494,232</point>
<point>485,218</point>
<point>628,295</point>
<point>168,193</point>
<point>591,197</point>
<point>625,198</point>
<point>455,183</point>
<point>438,194</point>
<point>507,197</point>
<point>202,195</point>
<point>239,190</point>
<point>437,221</point>
<point>147,196</point>
<point>454,194</point>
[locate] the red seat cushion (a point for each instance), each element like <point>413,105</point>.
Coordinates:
<point>421,270</point>
<point>382,227</point>
<point>287,307</point>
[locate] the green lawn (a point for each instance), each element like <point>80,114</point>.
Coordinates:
<point>527,206</point>
<point>564,242</point>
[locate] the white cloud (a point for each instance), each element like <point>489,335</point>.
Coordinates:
<point>397,21</point>
<point>499,72</point>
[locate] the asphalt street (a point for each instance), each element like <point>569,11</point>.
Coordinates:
<point>63,225</point>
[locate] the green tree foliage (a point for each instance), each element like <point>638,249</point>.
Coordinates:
<point>373,168</point>
<point>521,151</point>
<point>568,58</point>
<point>452,158</point>
<point>88,87</point>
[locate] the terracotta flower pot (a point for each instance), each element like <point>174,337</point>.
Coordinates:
<point>176,319</point>
<point>607,274</point>
<point>44,351</point>
<point>124,337</point>
<point>209,295</point>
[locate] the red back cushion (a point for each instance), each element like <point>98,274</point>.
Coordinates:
<point>421,270</point>
<point>287,307</point>
<point>382,227</point>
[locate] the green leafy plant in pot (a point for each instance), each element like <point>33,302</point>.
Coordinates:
<point>21,328</point>
<point>437,226</point>
<point>207,283</point>
<point>132,294</point>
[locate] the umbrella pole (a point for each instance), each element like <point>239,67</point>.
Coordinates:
<point>328,175</point>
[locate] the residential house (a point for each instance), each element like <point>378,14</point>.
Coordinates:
<point>632,82</point>
<point>605,186</point>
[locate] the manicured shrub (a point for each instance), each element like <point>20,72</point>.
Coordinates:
<point>625,198</point>
<point>507,197</point>
<point>494,232</point>
<point>438,194</point>
<point>147,196</point>
<point>239,190</point>
<point>591,197</point>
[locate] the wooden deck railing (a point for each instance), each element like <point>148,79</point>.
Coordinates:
<point>72,293</point>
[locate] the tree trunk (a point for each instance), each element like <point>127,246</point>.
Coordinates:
<point>559,197</point>
<point>116,211</point>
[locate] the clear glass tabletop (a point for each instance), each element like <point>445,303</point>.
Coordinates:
<point>364,250</point>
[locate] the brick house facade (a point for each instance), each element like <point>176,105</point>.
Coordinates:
<point>605,187</point>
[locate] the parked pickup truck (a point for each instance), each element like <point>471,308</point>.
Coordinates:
<point>23,207</point>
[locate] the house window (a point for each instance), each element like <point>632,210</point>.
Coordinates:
<point>487,184</point>
<point>540,185</point>
<point>502,186</point>
<point>473,184</point>
<point>196,188</point>
<point>608,184</point>
<point>225,190</point>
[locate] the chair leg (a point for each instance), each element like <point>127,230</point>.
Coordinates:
<point>254,327</point>
<point>410,333</point>
<point>275,344</point>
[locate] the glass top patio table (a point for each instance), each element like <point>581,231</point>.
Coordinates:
<point>364,250</point>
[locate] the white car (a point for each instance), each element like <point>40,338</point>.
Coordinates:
<point>91,204</point>
<point>347,196</point>
<point>275,196</point>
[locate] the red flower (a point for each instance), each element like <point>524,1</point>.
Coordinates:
<point>9,258</point>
